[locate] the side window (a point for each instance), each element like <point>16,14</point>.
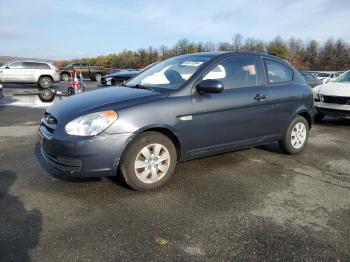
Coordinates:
<point>30,65</point>
<point>237,72</point>
<point>278,72</point>
<point>16,65</point>
<point>43,66</point>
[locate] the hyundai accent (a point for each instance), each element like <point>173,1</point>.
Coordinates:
<point>180,109</point>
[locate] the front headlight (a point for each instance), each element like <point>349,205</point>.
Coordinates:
<point>91,124</point>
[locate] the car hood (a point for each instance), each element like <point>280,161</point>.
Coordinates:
<point>112,98</point>
<point>334,89</point>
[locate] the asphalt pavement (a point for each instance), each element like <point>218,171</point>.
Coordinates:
<point>252,205</point>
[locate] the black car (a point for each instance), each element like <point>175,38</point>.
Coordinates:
<point>118,77</point>
<point>1,92</point>
<point>183,108</point>
<point>311,80</point>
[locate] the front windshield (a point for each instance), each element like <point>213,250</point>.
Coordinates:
<point>345,77</point>
<point>5,64</point>
<point>169,74</point>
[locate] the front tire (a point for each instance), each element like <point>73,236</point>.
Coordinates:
<point>149,161</point>
<point>98,77</point>
<point>296,136</point>
<point>45,82</point>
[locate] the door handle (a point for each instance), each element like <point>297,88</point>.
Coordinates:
<point>260,97</point>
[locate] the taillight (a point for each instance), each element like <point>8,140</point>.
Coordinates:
<point>57,71</point>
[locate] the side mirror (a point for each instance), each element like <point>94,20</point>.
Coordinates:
<point>210,86</point>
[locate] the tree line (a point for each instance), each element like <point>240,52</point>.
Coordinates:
<point>332,55</point>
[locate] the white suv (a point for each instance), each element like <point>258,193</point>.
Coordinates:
<point>30,72</point>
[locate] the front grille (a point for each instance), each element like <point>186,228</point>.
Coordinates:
<point>103,81</point>
<point>64,164</point>
<point>335,100</point>
<point>334,112</point>
<point>48,125</point>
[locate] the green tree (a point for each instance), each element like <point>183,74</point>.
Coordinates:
<point>277,47</point>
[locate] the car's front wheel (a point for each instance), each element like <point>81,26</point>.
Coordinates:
<point>45,82</point>
<point>296,136</point>
<point>98,77</point>
<point>148,161</point>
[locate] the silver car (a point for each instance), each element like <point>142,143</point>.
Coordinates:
<point>30,72</point>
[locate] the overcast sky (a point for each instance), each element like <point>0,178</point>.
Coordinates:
<point>59,29</point>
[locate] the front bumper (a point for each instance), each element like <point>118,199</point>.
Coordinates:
<point>330,109</point>
<point>56,78</point>
<point>84,156</point>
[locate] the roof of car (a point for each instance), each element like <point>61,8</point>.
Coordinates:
<point>224,53</point>
<point>29,61</point>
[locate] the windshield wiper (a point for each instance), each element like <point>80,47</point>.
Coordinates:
<point>139,86</point>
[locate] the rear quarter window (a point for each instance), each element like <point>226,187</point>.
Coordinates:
<point>277,72</point>
<point>43,66</point>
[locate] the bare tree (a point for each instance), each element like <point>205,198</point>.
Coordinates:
<point>224,46</point>
<point>252,44</point>
<point>209,46</point>
<point>311,54</point>
<point>295,51</point>
<point>237,41</point>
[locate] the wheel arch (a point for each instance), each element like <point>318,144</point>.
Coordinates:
<point>307,116</point>
<point>168,132</point>
<point>304,112</point>
<point>41,76</point>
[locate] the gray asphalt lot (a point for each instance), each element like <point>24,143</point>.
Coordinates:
<point>251,205</point>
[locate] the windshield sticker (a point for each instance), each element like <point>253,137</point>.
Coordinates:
<point>191,63</point>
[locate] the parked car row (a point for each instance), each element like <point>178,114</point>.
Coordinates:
<point>311,79</point>
<point>333,98</point>
<point>118,77</point>
<point>324,76</point>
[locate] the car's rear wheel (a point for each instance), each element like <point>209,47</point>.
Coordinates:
<point>149,161</point>
<point>45,82</point>
<point>47,95</point>
<point>65,77</point>
<point>296,136</point>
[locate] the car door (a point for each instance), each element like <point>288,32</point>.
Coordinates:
<point>238,116</point>
<point>13,73</point>
<point>29,70</point>
<point>283,94</point>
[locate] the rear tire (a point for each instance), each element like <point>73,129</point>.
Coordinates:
<point>149,161</point>
<point>45,82</point>
<point>47,96</point>
<point>65,77</point>
<point>296,136</point>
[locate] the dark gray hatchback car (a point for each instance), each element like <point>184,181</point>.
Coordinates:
<point>183,108</point>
